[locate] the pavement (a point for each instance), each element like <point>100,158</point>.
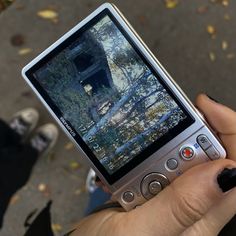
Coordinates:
<point>198,60</point>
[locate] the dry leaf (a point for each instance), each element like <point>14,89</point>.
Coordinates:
<point>170,4</point>
<point>48,15</point>
<point>56,228</point>
<point>202,9</point>
<point>230,56</point>
<point>24,51</point>
<point>212,56</point>
<point>42,187</point>
<point>17,40</point>
<point>14,199</point>
<point>69,146</point>
<point>80,190</point>
<point>142,19</point>
<point>211,29</point>
<point>224,45</point>
<point>225,3</point>
<point>27,94</point>
<point>227,17</point>
<point>74,165</point>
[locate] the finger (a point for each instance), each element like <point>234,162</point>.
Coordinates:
<point>211,225</point>
<point>183,203</point>
<point>222,119</point>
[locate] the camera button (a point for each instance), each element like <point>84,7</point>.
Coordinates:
<point>187,153</point>
<point>203,141</point>
<point>128,196</point>
<point>154,187</point>
<point>172,164</point>
<point>152,184</point>
<point>212,153</point>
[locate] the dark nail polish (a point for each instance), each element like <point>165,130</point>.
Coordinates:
<point>213,99</point>
<point>227,179</point>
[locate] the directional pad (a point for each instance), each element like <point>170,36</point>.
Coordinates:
<point>152,184</point>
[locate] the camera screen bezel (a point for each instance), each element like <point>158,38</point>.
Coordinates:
<point>154,147</point>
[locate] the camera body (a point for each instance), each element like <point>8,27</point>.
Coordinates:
<point>120,107</point>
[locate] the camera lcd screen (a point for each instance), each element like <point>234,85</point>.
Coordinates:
<point>108,96</point>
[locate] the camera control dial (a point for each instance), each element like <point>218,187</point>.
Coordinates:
<point>152,184</point>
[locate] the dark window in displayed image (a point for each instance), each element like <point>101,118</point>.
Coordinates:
<point>109,95</point>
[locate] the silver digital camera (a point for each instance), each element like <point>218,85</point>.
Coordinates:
<point>120,107</point>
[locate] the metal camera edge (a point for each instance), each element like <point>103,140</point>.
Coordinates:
<point>156,163</point>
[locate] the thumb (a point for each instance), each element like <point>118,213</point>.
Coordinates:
<point>183,202</point>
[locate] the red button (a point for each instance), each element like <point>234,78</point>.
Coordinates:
<point>187,152</point>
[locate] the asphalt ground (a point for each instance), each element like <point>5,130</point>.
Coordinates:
<point>195,41</point>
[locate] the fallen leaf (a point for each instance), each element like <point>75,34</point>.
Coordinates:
<point>56,228</point>
<point>224,45</point>
<point>42,187</point>
<point>211,29</point>
<point>222,2</point>
<point>48,15</point>
<point>19,6</point>
<point>170,4</point>
<point>212,56</point>
<point>17,40</point>
<point>142,19</point>
<point>74,165</point>
<point>14,199</point>
<point>24,51</point>
<point>69,146</point>
<point>227,17</point>
<point>51,156</point>
<point>202,9</point>
<point>27,94</point>
<point>230,56</point>
<point>225,3</point>
<point>80,190</point>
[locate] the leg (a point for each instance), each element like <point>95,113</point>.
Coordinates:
<point>8,137</point>
<point>97,198</point>
<point>16,163</point>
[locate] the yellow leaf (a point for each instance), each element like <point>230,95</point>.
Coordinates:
<point>74,165</point>
<point>56,227</point>
<point>225,3</point>
<point>171,3</point>
<point>24,51</point>
<point>69,146</point>
<point>211,29</point>
<point>42,187</point>
<point>48,14</point>
<point>224,45</point>
<point>212,56</point>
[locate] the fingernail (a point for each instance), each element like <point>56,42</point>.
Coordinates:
<point>213,99</point>
<point>227,179</point>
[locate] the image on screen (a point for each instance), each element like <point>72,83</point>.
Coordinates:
<point>109,95</point>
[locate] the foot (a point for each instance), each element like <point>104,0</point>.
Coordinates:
<point>24,121</point>
<point>44,138</point>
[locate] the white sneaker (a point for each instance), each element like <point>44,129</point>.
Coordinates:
<point>44,138</point>
<point>24,121</point>
<point>91,181</point>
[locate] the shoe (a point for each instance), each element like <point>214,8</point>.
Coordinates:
<point>24,121</point>
<point>44,138</point>
<point>91,181</point>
